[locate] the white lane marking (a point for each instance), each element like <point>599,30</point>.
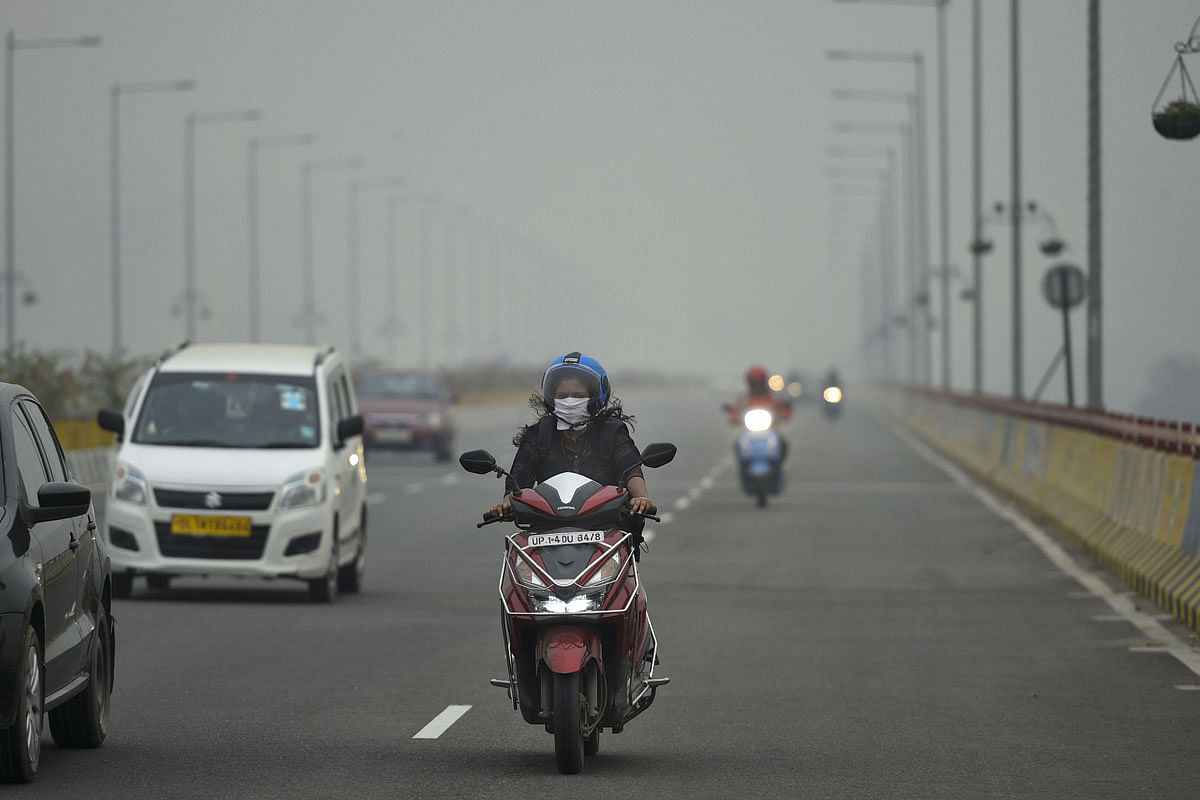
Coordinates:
<point>1119,618</point>
<point>682,503</point>
<point>1188,687</point>
<point>695,492</point>
<point>706,482</point>
<point>376,498</point>
<point>648,536</point>
<point>439,724</point>
<point>449,479</point>
<point>413,488</point>
<point>1120,602</point>
<point>665,519</point>
<point>1149,648</point>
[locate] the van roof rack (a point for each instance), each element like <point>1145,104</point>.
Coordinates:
<point>170,351</point>
<point>327,350</point>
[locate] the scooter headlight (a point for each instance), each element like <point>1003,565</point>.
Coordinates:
<point>833,394</point>
<point>578,604</point>
<point>527,576</point>
<point>757,420</point>
<point>607,573</point>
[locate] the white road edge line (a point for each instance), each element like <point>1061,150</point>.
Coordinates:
<point>375,498</point>
<point>439,724</point>
<point>1120,602</point>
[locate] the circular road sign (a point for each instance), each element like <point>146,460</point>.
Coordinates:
<point>1064,286</point>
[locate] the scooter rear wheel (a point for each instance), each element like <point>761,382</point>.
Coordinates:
<point>568,732</point>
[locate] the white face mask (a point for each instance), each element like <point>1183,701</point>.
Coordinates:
<point>572,412</point>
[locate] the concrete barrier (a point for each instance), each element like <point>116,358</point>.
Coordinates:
<point>1123,489</point>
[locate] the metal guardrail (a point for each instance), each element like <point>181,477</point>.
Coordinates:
<point>1170,436</point>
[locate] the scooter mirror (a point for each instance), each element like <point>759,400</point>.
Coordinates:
<point>479,462</point>
<point>658,454</point>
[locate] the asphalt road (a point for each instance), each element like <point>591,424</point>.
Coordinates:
<point>875,632</point>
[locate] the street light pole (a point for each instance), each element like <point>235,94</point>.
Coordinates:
<point>308,313</point>
<point>1018,366</point>
<point>977,194</point>
<point>254,271</point>
<point>913,212</point>
<point>189,203</point>
<point>11,45</point>
<point>114,182</point>
<point>354,306</point>
<point>1095,360</point>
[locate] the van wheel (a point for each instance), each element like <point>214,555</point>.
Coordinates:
<point>21,742</point>
<point>157,581</point>
<point>350,577</point>
<point>325,589</point>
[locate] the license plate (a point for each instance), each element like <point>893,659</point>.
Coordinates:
<point>201,525</point>
<point>396,435</point>
<point>567,537</point>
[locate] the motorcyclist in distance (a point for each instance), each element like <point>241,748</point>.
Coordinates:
<point>758,394</point>
<point>580,428</point>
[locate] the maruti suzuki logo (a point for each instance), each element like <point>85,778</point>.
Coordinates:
<point>566,508</point>
<point>212,500</point>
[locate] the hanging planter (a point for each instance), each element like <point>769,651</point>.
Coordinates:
<point>1179,117</point>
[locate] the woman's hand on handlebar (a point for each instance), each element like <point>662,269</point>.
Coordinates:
<point>640,505</point>
<point>503,507</point>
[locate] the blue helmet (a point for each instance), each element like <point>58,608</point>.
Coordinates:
<point>584,368</point>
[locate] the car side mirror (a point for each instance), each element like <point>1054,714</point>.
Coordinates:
<point>658,454</point>
<point>350,427</point>
<point>110,420</point>
<point>60,500</point>
<point>478,462</point>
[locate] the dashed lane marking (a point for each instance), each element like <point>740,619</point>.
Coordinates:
<point>442,722</point>
<point>376,498</point>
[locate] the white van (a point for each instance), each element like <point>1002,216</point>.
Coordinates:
<point>240,459</point>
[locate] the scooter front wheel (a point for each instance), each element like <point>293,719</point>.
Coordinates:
<point>568,730</point>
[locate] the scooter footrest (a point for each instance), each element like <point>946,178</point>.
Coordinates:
<point>652,682</point>
<point>500,683</point>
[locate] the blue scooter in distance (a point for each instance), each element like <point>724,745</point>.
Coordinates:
<point>760,456</point>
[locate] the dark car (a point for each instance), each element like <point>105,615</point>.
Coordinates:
<point>406,408</point>
<point>57,639</point>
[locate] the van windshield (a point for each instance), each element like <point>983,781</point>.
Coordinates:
<point>229,410</point>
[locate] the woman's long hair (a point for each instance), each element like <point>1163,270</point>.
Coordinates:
<point>612,410</point>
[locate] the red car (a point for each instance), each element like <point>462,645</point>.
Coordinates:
<point>406,409</point>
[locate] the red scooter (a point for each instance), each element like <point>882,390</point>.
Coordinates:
<point>580,648</point>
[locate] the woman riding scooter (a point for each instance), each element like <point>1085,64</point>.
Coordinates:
<point>581,428</point>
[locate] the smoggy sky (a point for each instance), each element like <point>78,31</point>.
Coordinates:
<point>645,181</point>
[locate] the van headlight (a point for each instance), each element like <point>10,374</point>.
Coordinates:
<point>130,485</point>
<point>303,489</point>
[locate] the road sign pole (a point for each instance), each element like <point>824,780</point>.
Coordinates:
<point>1066,315</point>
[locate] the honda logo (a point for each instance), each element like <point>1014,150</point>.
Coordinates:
<point>212,500</point>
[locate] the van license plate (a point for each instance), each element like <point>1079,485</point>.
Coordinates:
<point>203,525</point>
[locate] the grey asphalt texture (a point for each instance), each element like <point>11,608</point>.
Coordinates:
<point>876,632</point>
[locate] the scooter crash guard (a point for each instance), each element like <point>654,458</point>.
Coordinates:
<point>567,648</point>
